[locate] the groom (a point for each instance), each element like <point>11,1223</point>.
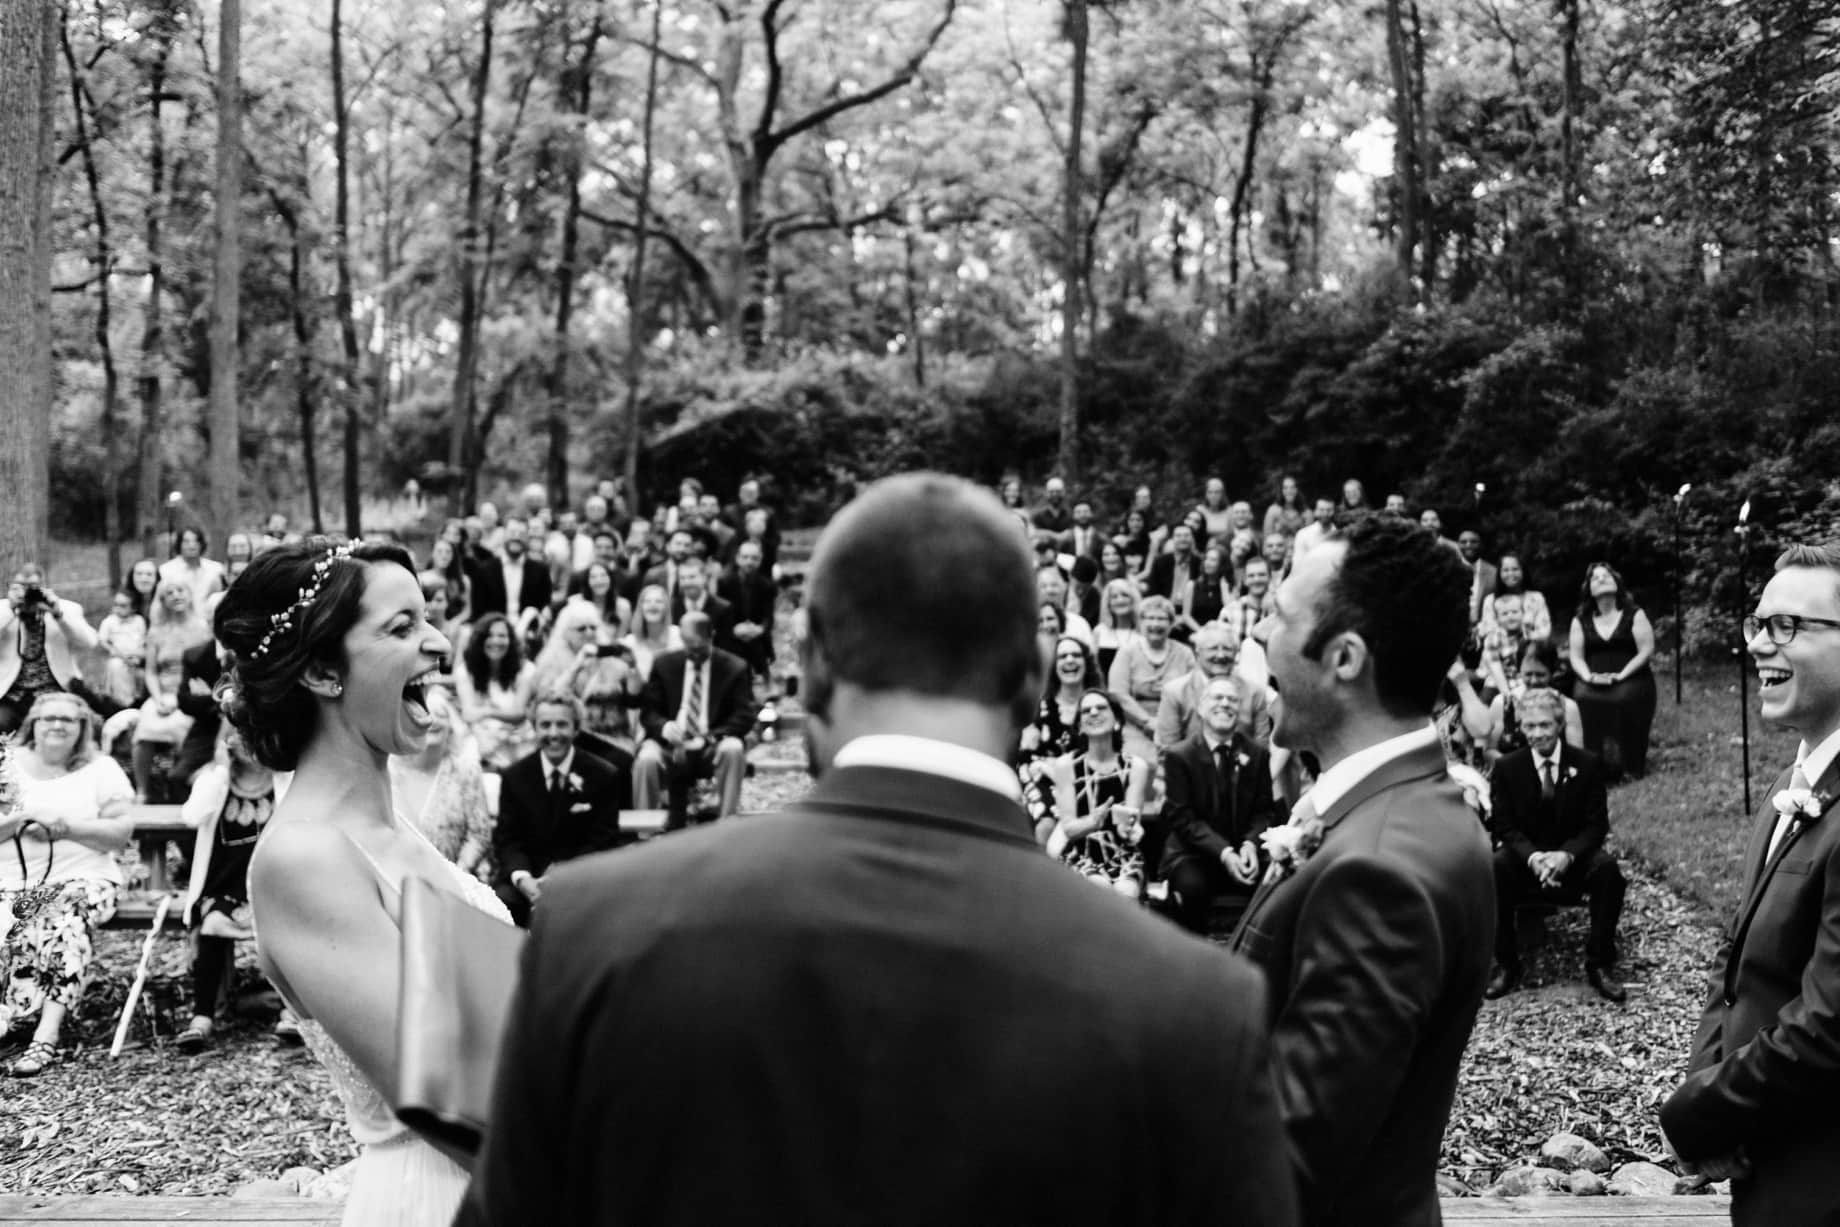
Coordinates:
<point>1375,942</point>
<point>1759,1101</point>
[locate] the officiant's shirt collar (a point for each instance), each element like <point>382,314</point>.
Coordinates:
<point>905,753</point>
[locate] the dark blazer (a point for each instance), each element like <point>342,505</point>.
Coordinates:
<point>533,835</point>
<point>735,515</point>
<point>750,599</point>
<point>1163,573</point>
<point>1205,818</point>
<point>487,580</point>
<point>1766,1061</point>
<point>200,663</point>
<point>1370,1021</point>
<point>732,709</point>
<point>1579,818</point>
<point>882,1005</point>
<point>721,614</point>
<point>1070,542</point>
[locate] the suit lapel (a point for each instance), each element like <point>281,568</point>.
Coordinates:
<point>1763,826</point>
<point>1766,826</point>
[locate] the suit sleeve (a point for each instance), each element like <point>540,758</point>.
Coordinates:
<point>1789,1071</point>
<point>510,838</point>
<point>1263,814</point>
<point>1183,794</point>
<point>604,818</point>
<point>654,711</point>
<point>1368,974</point>
<point>1510,804</point>
<point>523,1165</point>
<point>738,710</point>
<point>197,706</point>
<point>1594,824</point>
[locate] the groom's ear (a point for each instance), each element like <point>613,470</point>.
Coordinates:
<point>1348,656</point>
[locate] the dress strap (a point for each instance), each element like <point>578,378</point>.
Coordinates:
<point>392,892</point>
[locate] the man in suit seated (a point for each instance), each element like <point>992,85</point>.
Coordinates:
<point>1218,801</point>
<point>751,595</point>
<point>883,1004</point>
<point>554,805</point>
<point>694,596</point>
<point>697,708</point>
<point>1178,716</point>
<point>1551,816</point>
<point>1083,539</point>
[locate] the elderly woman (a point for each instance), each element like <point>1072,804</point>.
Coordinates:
<point>583,659</point>
<point>1141,670</point>
<point>441,791</point>
<point>59,881</point>
<point>1611,643</point>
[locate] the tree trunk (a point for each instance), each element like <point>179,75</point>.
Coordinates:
<point>226,266</point>
<point>1405,143</point>
<point>153,317</point>
<point>577,91</point>
<point>82,107</point>
<point>1071,247</point>
<point>342,297</point>
<point>916,342</point>
<point>635,284</point>
<point>1424,159</point>
<point>28,81</point>
<point>1242,183</point>
<point>466,366</point>
<point>1571,177</point>
<point>305,400</point>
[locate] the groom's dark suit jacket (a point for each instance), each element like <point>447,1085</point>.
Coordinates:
<point>884,1005</point>
<point>1765,1073</point>
<point>1376,952</point>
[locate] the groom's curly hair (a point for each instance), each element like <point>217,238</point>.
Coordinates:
<point>1406,594</point>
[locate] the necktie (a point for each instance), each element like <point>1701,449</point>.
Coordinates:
<point>693,707</point>
<point>1547,781</point>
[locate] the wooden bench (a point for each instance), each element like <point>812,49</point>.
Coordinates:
<point>154,827</point>
<point>1707,1211</point>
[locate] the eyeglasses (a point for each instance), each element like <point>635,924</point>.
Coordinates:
<point>57,720</point>
<point>1782,627</point>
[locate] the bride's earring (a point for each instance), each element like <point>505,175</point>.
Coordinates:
<point>338,688</point>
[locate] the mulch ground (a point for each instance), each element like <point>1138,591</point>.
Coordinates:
<point>1550,1057</point>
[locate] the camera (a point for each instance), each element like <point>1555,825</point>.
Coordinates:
<point>35,598</point>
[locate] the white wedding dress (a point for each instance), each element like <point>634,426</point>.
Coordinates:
<point>399,1180</point>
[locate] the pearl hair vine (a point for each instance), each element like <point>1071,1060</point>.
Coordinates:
<point>279,624</point>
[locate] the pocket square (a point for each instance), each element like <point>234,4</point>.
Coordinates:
<point>580,807</point>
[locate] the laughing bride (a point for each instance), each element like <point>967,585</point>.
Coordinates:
<point>333,651</point>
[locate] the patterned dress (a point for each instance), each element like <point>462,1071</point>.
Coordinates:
<point>1106,855</point>
<point>1055,739</point>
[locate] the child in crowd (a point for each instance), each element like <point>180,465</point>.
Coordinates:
<point>123,637</point>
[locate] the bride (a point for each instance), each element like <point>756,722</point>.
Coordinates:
<point>334,652</point>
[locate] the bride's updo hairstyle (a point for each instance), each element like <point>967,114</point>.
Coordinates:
<point>290,609</point>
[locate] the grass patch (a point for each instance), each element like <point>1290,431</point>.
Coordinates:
<point>1686,820</point>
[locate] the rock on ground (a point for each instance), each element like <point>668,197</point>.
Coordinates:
<point>1529,1182</point>
<point>1585,1183</point>
<point>1640,1179</point>
<point>1569,1152</point>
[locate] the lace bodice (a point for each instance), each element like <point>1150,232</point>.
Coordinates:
<point>367,1111</point>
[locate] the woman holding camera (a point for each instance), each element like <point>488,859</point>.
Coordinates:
<point>40,635</point>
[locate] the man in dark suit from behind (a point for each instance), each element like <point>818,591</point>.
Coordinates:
<point>883,1004</point>
<point>1552,814</point>
<point>1218,802</point>
<point>554,804</point>
<point>752,596</point>
<point>1375,944</point>
<point>697,708</point>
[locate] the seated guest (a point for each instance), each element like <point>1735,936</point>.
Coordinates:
<point>230,804</point>
<point>441,791</point>
<point>122,636</point>
<point>1483,572</point>
<point>1539,665</point>
<point>1083,538</point>
<point>1217,654</point>
<point>1053,516</point>
<point>1071,672</point>
<point>1502,646</point>
<point>70,817</point>
<point>494,685</point>
<point>434,593</point>
<point>1216,515</point>
<point>1218,801</point>
<point>200,668</point>
<point>1354,497</point>
<point>694,596</point>
<point>1511,580</point>
<point>444,559</point>
<point>510,581</point>
<point>1083,590</point>
<point>1207,596</point>
<point>678,546</point>
<point>1253,603</point>
<point>1099,795</point>
<point>755,522</point>
<point>752,597</point>
<point>1052,585</point>
<point>1287,512</point>
<point>1117,623</point>
<point>652,632</point>
<point>201,576</point>
<point>1313,534</point>
<point>1242,535</point>
<point>697,708</point>
<point>1112,565</point>
<point>600,587</point>
<point>575,630</point>
<point>1142,669</point>
<point>1137,540</point>
<point>1551,818</point>
<point>1050,629</point>
<point>1277,552</point>
<point>555,804</point>
<point>1173,573</point>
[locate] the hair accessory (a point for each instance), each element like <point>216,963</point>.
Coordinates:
<point>281,623</point>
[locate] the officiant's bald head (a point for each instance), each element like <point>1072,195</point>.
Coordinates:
<point>921,596</point>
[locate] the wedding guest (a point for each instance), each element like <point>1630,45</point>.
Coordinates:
<point>1253,603</point>
<point>1050,629</point>
<point>605,677</point>
<point>1313,534</point>
<point>1053,516</point>
<point>556,804</point>
<point>69,818</point>
<point>695,595</point>
<point>444,559</point>
<point>123,637</point>
<point>440,790</point>
<point>1396,506</point>
<point>1216,515</point>
<point>1083,589</point>
<point>1754,1105</point>
<point>1099,795</point>
<point>1071,672</point>
<point>1502,646</point>
<point>600,587</point>
<point>1135,540</point>
<point>1242,535</point>
<point>494,687</point>
<point>1277,551</point>
<point>1539,667</point>
<point>653,632</point>
<point>202,576</point>
<point>1354,498</point>
<point>1611,643</point>
<point>752,598</point>
<point>1511,580</point>
<point>1551,813</point>
<point>1469,545</point>
<point>697,708</point>
<point>1112,565</point>
<point>229,808</point>
<point>434,593</point>
<point>1141,670</point>
<point>1218,802</point>
<point>175,630</point>
<point>1217,654</point>
<point>1117,624</point>
<point>1172,574</point>
<point>40,634</point>
<point>1083,538</point>
<point>575,630</point>
<point>1288,511</point>
<point>140,584</point>
<point>510,581</point>
<point>1052,585</point>
<point>1207,596</point>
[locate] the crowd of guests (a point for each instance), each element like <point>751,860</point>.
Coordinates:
<point>1149,766</point>
<point>601,664</point>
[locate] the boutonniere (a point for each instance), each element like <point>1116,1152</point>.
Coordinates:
<point>1245,759</point>
<point>574,782</point>
<point>1802,806</point>
<point>1289,846</point>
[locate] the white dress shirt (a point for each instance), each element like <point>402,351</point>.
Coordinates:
<point>1814,764</point>
<point>942,758</point>
<point>1338,781</point>
<point>514,585</point>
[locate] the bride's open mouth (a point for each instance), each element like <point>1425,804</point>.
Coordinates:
<point>415,698</point>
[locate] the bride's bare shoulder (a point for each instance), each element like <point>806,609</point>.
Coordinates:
<point>306,866</point>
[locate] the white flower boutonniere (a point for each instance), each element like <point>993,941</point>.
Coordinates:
<point>574,782</point>
<point>1289,846</point>
<point>1802,806</point>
